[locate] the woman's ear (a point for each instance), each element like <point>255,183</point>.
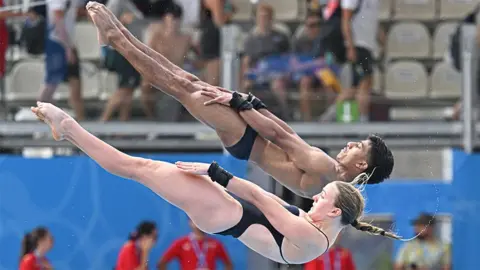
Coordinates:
<point>336,212</point>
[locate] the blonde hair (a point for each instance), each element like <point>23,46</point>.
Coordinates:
<point>266,8</point>
<point>350,200</point>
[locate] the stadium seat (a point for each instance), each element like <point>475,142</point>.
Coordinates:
<point>90,79</point>
<point>441,38</point>
<point>408,40</point>
<point>26,78</point>
<point>406,79</point>
<point>299,31</point>
<point>446,82</point>
<point>285,10</point>
<point>244,10</point>
<point>109,84</point>
<point>87,42</point>
<point>415,9</point>
<point>302,10</point>
<point>377,80</point>
<point>241,41</point>
<point>385,9</point>
<point>451,9</point>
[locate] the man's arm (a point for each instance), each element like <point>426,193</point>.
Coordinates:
<point>305,157</point>
<point>59,20</point>
<point>222,255</point>
<point>278,121</point>
<point>171,253</point>
<point>446,258</point>
<point>348,7</point>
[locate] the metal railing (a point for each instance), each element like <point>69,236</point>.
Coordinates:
<point>469,75</point>
<point>195,136</point>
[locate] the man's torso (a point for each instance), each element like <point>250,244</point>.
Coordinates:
<point>174,47</point>
<point>188,257</point>
<point>259,45</point>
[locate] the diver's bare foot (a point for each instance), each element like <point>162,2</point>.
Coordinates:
<point>54,117</point>
<point>114,18</point>
<point>106,29</point>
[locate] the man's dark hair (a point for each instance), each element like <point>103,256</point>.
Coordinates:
<point>313,13</point>
<point>175,9</point>
<point>380,160</point>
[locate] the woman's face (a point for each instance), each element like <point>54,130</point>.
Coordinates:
<point>324,204</point>
<point>153,236</point>
<point>46,242</point>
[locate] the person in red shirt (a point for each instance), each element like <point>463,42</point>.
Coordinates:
<point>4,35</point>
<point>35,245</point>
<point>134,253</point>
<point>195,252</point>
<point>337,258</point>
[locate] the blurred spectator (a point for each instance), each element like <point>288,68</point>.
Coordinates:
<point>4,35</point>
<point>35,245</point>
<point>454,57</point>
<point>214,14</point>
<point>425,252</point>
<point>303,44</point>
<point>61,58</point>
<point>166,38</point>
<point>360,32</point>
<point>33,33</point>
<point>134,253</point>
<point>128,77</point>
<point>265,41</point>
<point>136,15</point>
<point>330,44</point>
<point>337,258</point>
<point>196,251</point>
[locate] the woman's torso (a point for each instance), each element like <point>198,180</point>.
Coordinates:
<point>31,262</point>
<point>258,238</point>
<point>129,256</point>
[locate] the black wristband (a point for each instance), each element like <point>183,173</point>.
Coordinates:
<point>256,102</point>
<point>250,97</point>
<point>239,103</point>
<point>219,174</point>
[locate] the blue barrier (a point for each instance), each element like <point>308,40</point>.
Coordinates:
<point>459,199</point>
<point>89,211</point>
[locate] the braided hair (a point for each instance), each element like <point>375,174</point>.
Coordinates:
<point>350,200</point>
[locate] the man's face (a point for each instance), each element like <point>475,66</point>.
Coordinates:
<point>424,231</point>
<point>264,19</point>
<point>312,26</point>
<point>355,155</point>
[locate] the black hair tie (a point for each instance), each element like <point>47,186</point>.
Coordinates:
<point>354,223</point>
